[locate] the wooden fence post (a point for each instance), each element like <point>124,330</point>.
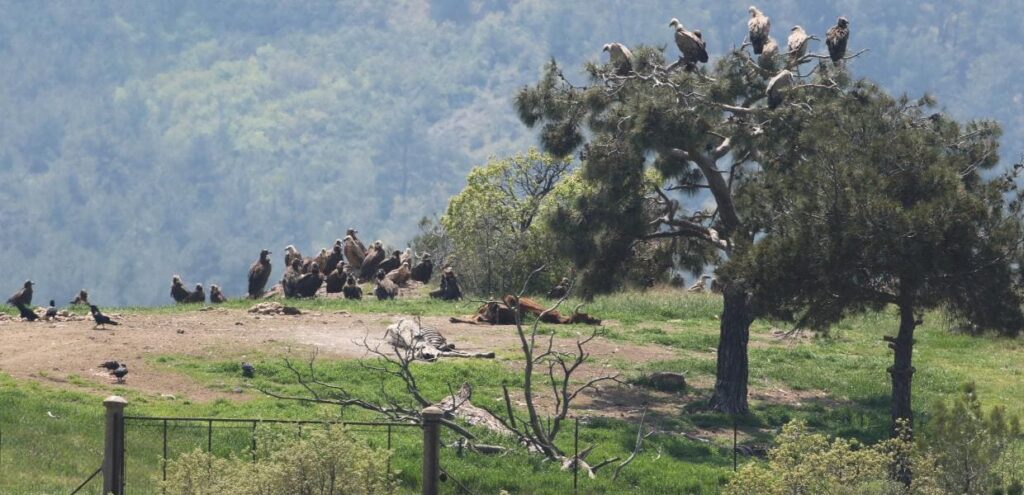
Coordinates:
<point>431,450</point>
<point>113,446</point>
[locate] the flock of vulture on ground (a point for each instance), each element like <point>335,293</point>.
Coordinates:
<point>693,48</point>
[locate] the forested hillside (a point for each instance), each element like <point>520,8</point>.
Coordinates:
<point>141,139</point>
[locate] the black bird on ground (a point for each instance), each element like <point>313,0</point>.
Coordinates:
<point>391,263</point>
<point>216,296</point>
<point>450,290</point>
<point>351,290</point>
<point>336,280</point>
<point>51,312</point>
<point>424,269</point>
<point>248,370</point>
<point>291,277</point>
<point>178,291</point>
<point>308,284</point>
<point>120,373</point>
<point>110,365</point>
<point>259,273</point>
<point>197,295</point>
<point>23,296</point>
<point>385,289</point>
<point>559,291</point>
<point>26,314</point>
<point>101,319</point>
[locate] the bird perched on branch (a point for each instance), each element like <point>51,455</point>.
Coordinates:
<point>797,45</point>
<point>620,57</point>
<point>777,86</point>
<point>691,44</point>
<point>25,313</point>
<point>178,291</point>
<point>81,298</point>
<point>424,269</point>
<point>767,58</point>
<point>836,39</point>
<point>216,296</point>
<point>101,319</point>
<point>23,296</point>
<point>51,311</point>
<point>758,28</point>
<point>198,295</point>
<point>351,290</point>
<point>259,274</point>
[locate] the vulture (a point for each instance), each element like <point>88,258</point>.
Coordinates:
<point>351,290</point>
<point>321,259</point>
<point>758,27</point>
<point>81,298</point>
<point>777,87</point>
<point>336,255</point>
<point>374,256</point>
<point>197,295</point>
<point>700,285</point>
<point>336,280</point>
<point>290,253</point>
<point>621,57</point>
<point>407,256</point>
<point>101,319</point>
<point>449,290</point>
<point>836,39</point>
<point>248,370</point>
<point>309,283</point>
<point>291,277</point>
<point>259,273</point>
<point>767,58</point>
<point>355,251</point>
<point>797,45</point>
<point>120,373</point>
<point>424,269</point>
<point>216,296</point>
<point>401,275</point>
<point>391,263</point>
<point>385,289</point>
<point>691,44</point>
<point>26,314</point>
<point>23,296</point>
<point>51,311</point>
<point>559,291</point>
<point>178,290</point>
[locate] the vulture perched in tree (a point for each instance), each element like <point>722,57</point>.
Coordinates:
<point>767,58</point>
<point>384,289</point>
<point>291,277</point>
<point>81,298</point>
<point>691,45</point>
<point>178,291</point>
<point>26,314</point>
<point>450,290</point>
<point>758,28</point>
<point>23,296</point>
<point>351,290</point>
<point>401,275</point>
<point>424,269</point>
<point>797,45</point>
<point>197,295</point>
<point>392,263</point>
<point>836,39</point>
<point>777,87</point>
<point>259,274</point>
<point>309,283</point>
<point>290,253</point>
<point>374,256</point>
<point>621,57</point>
<point>336,279</point>
<point>216,296</point>
<point>337,254</point>
<point>559,291</point>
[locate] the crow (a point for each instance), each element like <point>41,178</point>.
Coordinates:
<point>51,312</point>
<point>110,365</point>
<point>248,370</point>
<point>102,320</point>
<point>26,314</point>
<point>120,373</point>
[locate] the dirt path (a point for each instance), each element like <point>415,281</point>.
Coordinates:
<point>52,352</point>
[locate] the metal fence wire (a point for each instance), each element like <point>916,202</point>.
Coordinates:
<point>150,442</point>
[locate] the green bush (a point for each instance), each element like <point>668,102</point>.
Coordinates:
<point>327,463</point>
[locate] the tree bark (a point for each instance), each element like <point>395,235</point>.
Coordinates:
<point>902,374</point>
<point>733,366</point>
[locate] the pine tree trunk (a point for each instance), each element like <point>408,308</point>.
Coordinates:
<point>902,374</point>
<point>733,368</point>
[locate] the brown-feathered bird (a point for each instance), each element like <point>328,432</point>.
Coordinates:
<point>797,45</point>
<point>392,262</point>
<point>384,289</point>
<point>559,291</point>
<point>321,258</point>
<point>23,296</point>
<point>424,269</point>
<point>290,253</point>
<point>620,57</point>
<point>351,290</point>
<point>197,295</point>
<point>777,87</point>
<point>836,39</point>
<point>407,256</point>
<point>401,275</point>
<point>178,291</point>
<point>216,296</point>
<point>758,28</point>
<point>335,281</point>
<point>81,298</point>
<point>690,44</point>
<point>291,276</point>
<point>308,284</point>
<point>336,254</point>
<point>767,57</point>
<point>371,262</point>
<point>354,249</point>
<point>259,274</point>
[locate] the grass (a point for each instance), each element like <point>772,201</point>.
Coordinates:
<point>837,383</point>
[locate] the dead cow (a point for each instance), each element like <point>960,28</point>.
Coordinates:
<point>502,313</point>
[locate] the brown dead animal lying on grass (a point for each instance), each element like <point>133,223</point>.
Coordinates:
<point>504,313</point>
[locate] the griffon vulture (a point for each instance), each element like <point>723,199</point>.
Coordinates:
<point>836,39</point>
<point>758,28</point>
<point>691,44</point>
<point>767,58</point>
<point>621,57</point>
<point>797,45</point>
<point>401,275</point>
<point>259,274</point>
<point>392,263</point>
<point>290,253</point>
<point>777,87</point>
